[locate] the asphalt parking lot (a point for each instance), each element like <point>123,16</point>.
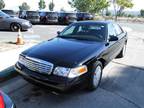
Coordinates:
<point>122,83</point>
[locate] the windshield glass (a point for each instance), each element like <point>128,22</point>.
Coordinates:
<point>32,13</point>
<point>93,32</point>
<point>2,14</point>
<point>54,14</point>
<point>8,12</point>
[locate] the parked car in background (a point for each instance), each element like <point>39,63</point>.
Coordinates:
<point>81,16</point>
<point>67,18</point>
<point>76,56</point>
<point>5,101</point>
<point>32,16</point>
<point>12,23</point>
<point>48,17</point>
<point>10,12</point>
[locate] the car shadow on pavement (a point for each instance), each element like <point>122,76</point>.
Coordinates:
<point>11,31</point>
<point>7,74</point>
<point>122,87</point>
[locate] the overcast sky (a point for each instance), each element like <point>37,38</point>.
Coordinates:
<point>13,4</point>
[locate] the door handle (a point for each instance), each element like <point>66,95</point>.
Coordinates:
<point>107,44</point>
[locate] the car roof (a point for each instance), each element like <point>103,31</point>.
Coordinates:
<point>6,10</point>
<point>95,22</point>
<point>83,12</point>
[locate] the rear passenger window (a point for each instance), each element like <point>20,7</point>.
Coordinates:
<point>111,30</point>
<point>118,29</point>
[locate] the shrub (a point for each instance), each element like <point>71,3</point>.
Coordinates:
<point>142,12</point>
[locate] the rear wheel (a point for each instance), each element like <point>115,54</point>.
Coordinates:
<point>122,53</point>
<point>95,76</point>
<point>15,27</point>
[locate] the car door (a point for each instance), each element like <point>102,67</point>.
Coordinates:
<point>1,21</point>
<point>121,36</point>
<point>112,46</point>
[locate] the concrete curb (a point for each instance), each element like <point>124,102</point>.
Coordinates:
<point>7,74</point>
<point>8,59</point>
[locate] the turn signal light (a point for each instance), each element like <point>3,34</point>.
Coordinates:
<point>2,105</point>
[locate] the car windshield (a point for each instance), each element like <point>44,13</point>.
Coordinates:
<point>32,13</point>
<point>8,12</point>
<point>52,14</point>
<point>67,14</point>
<point>93,32</point>
<point>2,14</point>
<point>42,13</point>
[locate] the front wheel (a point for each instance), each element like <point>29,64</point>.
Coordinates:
<point>122,53</point>
<point>95,76</point>
<point>15,27</point>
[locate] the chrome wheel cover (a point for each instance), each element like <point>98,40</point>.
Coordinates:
<point>97,75</point>
<point>124,50</point>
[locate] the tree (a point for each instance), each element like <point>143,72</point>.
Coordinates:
<point>24,6</point>
<point>99,5</point>
<point>92,6</point>
<point>62,9</point>
<point>2,4</point>
<point>80,5</point>
<point>120,5</point>
<point>124,4</point>
<point>51,6</point>
<point>142,12</point>
<point>42,4</point>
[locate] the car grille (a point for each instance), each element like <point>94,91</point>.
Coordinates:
<point>36,65</point>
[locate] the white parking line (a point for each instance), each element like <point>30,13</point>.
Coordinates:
<point>31,36</point>
<point>31,31</point>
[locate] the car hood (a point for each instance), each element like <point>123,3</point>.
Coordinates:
<point>65,52</point>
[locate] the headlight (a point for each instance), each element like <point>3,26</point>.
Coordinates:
<point>21,59</point>
<point>70,73</point>
<point>26,23</point>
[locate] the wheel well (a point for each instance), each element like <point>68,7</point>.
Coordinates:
<point>15,23</point>
<point>102,61</point>
<point>126,42</point>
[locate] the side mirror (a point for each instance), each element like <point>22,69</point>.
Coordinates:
<point>1,17</point>
<point>113,38</point>
<point>58,32</point>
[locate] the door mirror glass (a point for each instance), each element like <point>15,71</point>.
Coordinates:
<point>58,32</point>
<point>113,38</point>
<point>1,17</point>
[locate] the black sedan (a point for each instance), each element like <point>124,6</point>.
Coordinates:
<point>32,16</point>
<point>81,16</point>
<point>5,101</point>
<point>76,56</point>
<point>48,17</point>
<point>14,24</point>
<point>67,18</point>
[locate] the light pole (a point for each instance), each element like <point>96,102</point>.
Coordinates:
<point>52,1</point>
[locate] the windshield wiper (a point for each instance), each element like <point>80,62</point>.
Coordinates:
<point>65,37</point>
<point>76,38</point>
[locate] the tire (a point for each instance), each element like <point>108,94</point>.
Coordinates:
<point>122,53</point>
<point>15,27</point>
<point>95,76</point>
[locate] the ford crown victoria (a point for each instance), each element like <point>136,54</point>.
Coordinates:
<point>76,56</point>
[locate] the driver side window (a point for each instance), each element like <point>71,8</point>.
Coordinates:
<point>111,30</point>
<point>69,31</point>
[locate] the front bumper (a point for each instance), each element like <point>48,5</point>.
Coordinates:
<point>26,27</point>
<point>52,21</point>
<point>34,20</point>
<point>52,81</point>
